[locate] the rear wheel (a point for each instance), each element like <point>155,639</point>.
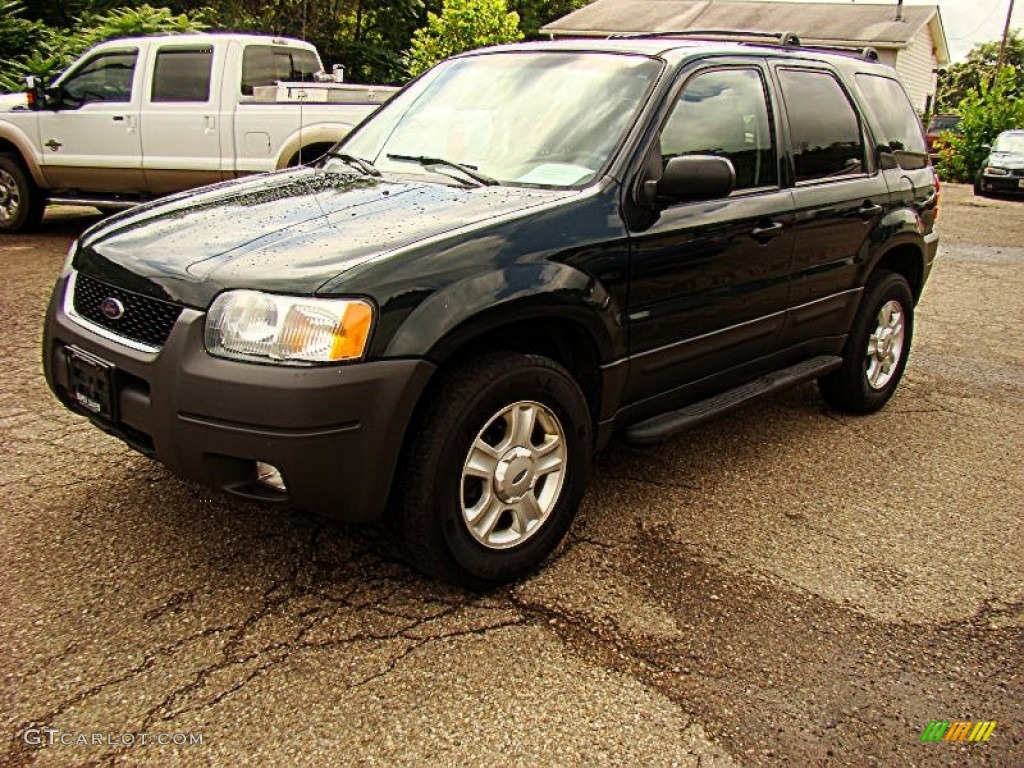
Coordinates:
<point>496,470</point>
<point>21,201</point>
<point>877,348</point>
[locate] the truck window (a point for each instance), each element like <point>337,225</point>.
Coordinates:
<point>269,65</point>
<point>182,74</point>
<point>724,113</point>
<point>824,127</point>
<point>104,77</point>
<point>902,137</point>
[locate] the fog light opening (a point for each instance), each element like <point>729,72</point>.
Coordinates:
<point>270,476</point>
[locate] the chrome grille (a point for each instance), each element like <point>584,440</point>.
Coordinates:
<point>144,320</point>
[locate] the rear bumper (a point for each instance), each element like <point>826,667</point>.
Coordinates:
<point>335,432</point>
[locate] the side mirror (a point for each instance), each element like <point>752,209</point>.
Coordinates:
<point>691,177</point>
<point>986,147</point>
<point>35,92</point>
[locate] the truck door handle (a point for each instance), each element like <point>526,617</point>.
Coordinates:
<point>54,145</point>
<point>769,231</point>
<point>869,210</point>
<point>118,118</point>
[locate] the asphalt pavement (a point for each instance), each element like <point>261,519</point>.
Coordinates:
<point>784,586</point>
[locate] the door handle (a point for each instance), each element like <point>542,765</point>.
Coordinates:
<point>54,145</point>
<point>869,210</point>
<point>767,232</point>
<point>118,118</point>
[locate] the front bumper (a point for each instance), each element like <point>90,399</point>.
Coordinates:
<point>334,432</point>
<point>1004,184</point>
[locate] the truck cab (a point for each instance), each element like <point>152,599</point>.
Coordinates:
<point>138,118</point>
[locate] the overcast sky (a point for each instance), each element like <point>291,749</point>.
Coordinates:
<point>968,22</point>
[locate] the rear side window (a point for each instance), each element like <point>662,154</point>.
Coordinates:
<point>269,65</point>
<point>724,113</point>
<point>182,74</point>
<point>823,125</point>
<point>901,130</point>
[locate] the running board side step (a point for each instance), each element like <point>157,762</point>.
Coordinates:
<point>665,425</point>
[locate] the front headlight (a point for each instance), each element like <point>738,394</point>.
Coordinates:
<point>991,171</point>
<point>250,325</point>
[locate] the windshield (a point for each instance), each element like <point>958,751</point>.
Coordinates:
<point>548,119</point>
<point>939,124</point>
<point>1010,142</point>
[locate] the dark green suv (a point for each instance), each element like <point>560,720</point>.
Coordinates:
<point>528,249</point>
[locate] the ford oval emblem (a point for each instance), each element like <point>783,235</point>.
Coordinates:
<point>111,308</point>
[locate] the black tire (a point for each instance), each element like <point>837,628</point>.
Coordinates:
<point>977,187</point>
<point>428,514</point>
<point>849,388</point>
<point>21,202</point>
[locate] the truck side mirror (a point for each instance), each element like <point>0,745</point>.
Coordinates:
<point>35,92</point>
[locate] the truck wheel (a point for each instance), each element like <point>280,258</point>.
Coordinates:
<point>877,348</point>
<point>21,201</point>
<point>495,471</point>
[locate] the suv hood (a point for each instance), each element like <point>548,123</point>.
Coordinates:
<point>289,232</point>
<point>1012,160</point>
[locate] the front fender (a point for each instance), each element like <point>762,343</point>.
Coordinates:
<point>453,316</point>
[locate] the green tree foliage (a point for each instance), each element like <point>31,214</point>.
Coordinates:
<point>33,48</point>
<point>966,77</point>
<point>987,111</point>
<point>461,26</point>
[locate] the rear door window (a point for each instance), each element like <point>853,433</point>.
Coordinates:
<point>182,74</point>
<point>825,131</point>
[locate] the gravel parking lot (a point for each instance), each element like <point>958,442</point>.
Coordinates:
<point>783,586</point>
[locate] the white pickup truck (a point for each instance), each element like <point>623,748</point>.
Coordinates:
<point>137,118</point>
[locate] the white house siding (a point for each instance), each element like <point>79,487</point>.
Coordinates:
<point>915,65</point>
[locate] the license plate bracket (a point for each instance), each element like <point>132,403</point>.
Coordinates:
<point>91,381</point>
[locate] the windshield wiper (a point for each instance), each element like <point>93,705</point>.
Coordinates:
<point>357,162</point>
<point>480,178</point>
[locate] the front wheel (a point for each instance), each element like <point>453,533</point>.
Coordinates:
<point>496,470</point>
<point>877,348</point>
<point>21,202</point>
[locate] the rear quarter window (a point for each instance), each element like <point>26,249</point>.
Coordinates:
<point>894,115</point>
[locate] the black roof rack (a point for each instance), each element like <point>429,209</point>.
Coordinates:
<point>782,39</point>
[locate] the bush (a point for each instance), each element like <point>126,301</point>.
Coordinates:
<point>985,112</point>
